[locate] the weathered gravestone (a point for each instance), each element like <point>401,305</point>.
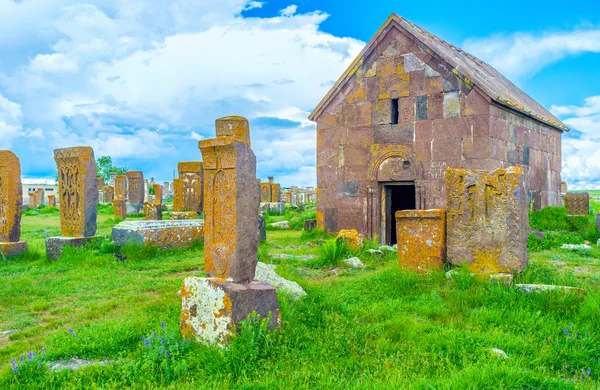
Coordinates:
<point>262,228</point>
<point>177,195</point>
<point>234,126</point>
<point>100,183</point>
<point>11,205</point>
<point>577,203</point>
<point>487,219</point>
<point>191,176</point>
<point>563,187</point>
<point>310,224</point>
<point>421,237</point>
<point>161,234</point>
<point>51,200</point>
<point>265,192</point>
<point>120,200</point>
<point>78,197</point>
<point>211,307</point>
<point>109,194</point>
<point>36,197</point>
<point>135,192</point>
<point>153,209</point>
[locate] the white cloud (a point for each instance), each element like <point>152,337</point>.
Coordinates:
<point>10,121</point>
<point>524,54</point>
<point>289,10</point>
<point>132,78</point>
<point>253,4</point>
<point>581,152</point>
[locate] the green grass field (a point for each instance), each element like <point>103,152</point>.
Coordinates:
<point>378,328</point>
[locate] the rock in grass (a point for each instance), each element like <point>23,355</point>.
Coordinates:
<point>283,256</point>
<point>530,288</point>
<point>266,273</point>
<point>281,225</point>
<point>387,248</point>
<point>4,334</point>
<point>75,364</point>
<point>537,233</point>
<point>575,246</point>
<point>500,353</point>
<point>375,252</point>
<point>354,262</point>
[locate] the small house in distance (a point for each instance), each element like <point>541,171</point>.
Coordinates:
<point>410,106</point>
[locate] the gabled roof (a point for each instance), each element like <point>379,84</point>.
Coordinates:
<point>486,78</point>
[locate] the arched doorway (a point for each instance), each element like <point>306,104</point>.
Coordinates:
<point>395,183</point>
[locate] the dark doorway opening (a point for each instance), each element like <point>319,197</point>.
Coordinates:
<point>398,197</point>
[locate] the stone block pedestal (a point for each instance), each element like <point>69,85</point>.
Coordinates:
<point>212,307</point>
<point>274,207</point>
<point>56,245</point>
<point>421,236</point>
<point>9,249</point>
<point>135,208</point>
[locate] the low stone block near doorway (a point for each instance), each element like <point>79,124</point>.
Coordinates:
<point>162,234</point>
<point>421,238</point>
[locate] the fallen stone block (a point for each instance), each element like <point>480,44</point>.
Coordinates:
<point>530,288</point>
<point>266,273</point>
<point>354,240</point>
<point>388,248</point>
<point>75,364</point>
<point>354,262</point>
<point>55,246</point>
<point>177,215</point>
<point>281,225</point>
<point>576,246</point>
<point>162,234</point>
<point>10,249</point>
<point>310,224</point>
<point>375,252</point>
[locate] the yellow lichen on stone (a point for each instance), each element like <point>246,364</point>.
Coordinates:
<point>11,197</point>
<point>358,95</point>
<point>177,195</point>
<point>421,237</point>
<point>354,240</point>
<point>234,126</point>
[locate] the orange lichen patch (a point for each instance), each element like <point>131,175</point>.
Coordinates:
<point>152,211</point>
<point>76,180</point>
<point>487,219</point>
<point>191,176</point>
<point>234,126</point>
<point>177,195</point>
<point>421,236</point>
<point>275,192</point>
<point>354,240</point>
<point>174,236</point>
<point>12,248</point>
<point>120,206</point>
<point>372,72</point>
<point>11,197</point>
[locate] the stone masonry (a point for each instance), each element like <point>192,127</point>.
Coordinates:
<point>412,105</point>
<point>191,176</point>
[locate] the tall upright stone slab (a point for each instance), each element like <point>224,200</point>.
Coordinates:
<point>78,198</point>
<point>421,237</point>
<point>577,203</point>
<point>211,307</point>
<point>191,176</point>
<point>51,200</point>
<point>177,195</point>
<point>487,219</point>
<point>11,205</point>
<point>233,126</point>
<point>153,208</point>
<point>100,183</point>
<point>120,199</point>
<point>275,192</point>
<point>135,191</point>
<point>230,185</point>
<point>265,192</point>
<point>109,194</point>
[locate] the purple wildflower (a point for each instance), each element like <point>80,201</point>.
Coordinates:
<point>43,351</point>
<point>15,368</point>
<point>167,353</point>
<point>146,342</point>
<point>566,331</point>
<point>163,325</point>
<point>30,356</point>
<point>162,341</point>
<point>72,332</point>
<point>153,334</point>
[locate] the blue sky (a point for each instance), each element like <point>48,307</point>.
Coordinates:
<point>144,80</point>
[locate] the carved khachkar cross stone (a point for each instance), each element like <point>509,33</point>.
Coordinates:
<point>231,209</point>
<point>135,187</point>
<point>191,175</point>
<point>78,191</point>
<point>177,195</point>
<point>487,219</point>
<point>120,190</point>
<point>577,203</point>
<point>11,197</point>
